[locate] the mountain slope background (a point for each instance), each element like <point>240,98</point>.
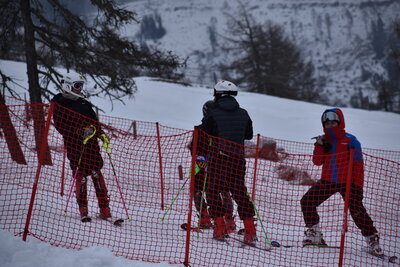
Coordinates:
<point>345,40</point>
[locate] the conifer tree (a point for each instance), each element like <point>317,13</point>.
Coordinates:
<point>260,58</point>
<point>46,34</point>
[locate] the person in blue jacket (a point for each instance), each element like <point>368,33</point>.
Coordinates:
<point>332,152</point>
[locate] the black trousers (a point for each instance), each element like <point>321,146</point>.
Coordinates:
<point>201,181</point>
<point>323,190</point>
<point>228,174</point>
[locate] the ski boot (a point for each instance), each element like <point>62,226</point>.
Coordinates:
<point>373,245</point>
<point>250,234</point>
<point>314,237</point>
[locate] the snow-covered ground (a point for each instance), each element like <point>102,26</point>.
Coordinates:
<point>180,107</point>
<point>16,253</point>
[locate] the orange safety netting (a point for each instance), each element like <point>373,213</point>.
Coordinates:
<point>147,173</point>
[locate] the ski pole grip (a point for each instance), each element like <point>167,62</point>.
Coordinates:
<point>90,136</point>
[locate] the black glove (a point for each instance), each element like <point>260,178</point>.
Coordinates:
<point>327,146</point>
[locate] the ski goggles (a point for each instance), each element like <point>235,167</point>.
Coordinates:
<point>78,85</point>
<point>330,116</point>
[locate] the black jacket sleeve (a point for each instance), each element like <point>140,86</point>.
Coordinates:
<point>249,130</point>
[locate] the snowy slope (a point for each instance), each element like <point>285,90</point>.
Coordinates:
<point>180,107</point>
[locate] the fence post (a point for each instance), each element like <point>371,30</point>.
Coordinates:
<point>346,206</point>
<point>63,172</point>
<point>253,192</point>
<point>180,172</point>
<point>133,126</point>
<point>42,154</point>
<point>192,174</point>
<point>160,163</point>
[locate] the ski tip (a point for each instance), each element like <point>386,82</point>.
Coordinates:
<point>393,259</point>
<point>118,222</point>
<point>222,240</point>
<point>86,219</point>
<point>275,244</point>
<point>184,226</point>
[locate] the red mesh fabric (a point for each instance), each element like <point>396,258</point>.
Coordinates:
<point>145,185</point>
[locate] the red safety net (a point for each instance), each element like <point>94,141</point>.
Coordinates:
<point>147,173</point>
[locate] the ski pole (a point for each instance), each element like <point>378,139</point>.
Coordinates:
<point>119,188</point>
<point>173,201</point>
<point>79,163</point>
<point>202,200</point>
<point>210,142</point>
<point>177,195</point>
<point>259,218</point>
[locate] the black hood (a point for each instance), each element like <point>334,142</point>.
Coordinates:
<point>227,103</point>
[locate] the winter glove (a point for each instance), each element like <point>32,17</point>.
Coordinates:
<point>88,132</point>
<point>201,162</point>
<point>322,142</point>
<point>327,146</point>
<point>106,142</point>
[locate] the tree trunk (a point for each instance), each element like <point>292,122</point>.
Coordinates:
<point>33,80</point>
<point>10,134</point>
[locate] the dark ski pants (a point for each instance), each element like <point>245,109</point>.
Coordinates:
<point>99,186</point>
<point>227,174</point>
<point>200,185</point>
<point>323,190</point>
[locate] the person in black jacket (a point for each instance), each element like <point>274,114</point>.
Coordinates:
<point>231,125</point>
<point>75,119</point>
<point>201,182</point>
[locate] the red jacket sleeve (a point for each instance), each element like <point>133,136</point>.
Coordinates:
<point>318,155</point>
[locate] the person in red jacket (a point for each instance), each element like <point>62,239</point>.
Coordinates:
<point>332,151</point>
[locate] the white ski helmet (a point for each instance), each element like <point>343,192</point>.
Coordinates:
<point>73,85</point>
<point>225,88</point>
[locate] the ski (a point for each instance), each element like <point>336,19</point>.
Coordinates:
<point>384,257</point>
<point>319,246</point>
<point>244,245</point>
<point>116,222</point>
<point>86,219</point>
<point>222,240</point>
<point>198,229</point>
<point>276,244</point>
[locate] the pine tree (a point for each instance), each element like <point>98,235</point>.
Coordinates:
<point>52,35</point>
<point>48,34</point>
<point>260,58</point>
